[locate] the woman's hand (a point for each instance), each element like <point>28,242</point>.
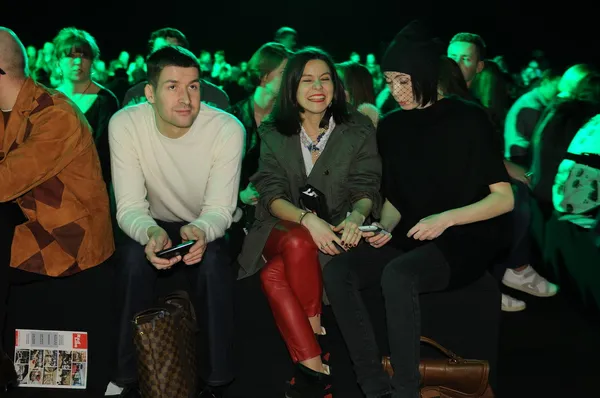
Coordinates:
<point>322,234</point>
<point>351,235</point>
<point>430,227</point>
<point>378,240</point>
<point>249,196</point>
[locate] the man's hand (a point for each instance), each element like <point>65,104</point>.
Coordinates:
<point>192,232</point>
<point>159,240</point>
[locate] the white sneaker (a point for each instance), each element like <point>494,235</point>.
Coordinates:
<point>529,281</point>
<point>511,304</point>
<point>112,390</point>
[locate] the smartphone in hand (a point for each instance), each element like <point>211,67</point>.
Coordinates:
<point>179,250</point>
<point>371,228</point>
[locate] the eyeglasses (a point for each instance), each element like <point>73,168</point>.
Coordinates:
<point>2,72</point>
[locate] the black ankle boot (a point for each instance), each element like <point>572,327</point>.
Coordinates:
<point>309,384</point>
<point>8,375</point>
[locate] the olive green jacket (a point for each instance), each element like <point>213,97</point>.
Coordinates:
<point>349,169</point>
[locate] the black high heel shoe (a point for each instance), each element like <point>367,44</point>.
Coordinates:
<point>309,384</point>
<point>8,375</point>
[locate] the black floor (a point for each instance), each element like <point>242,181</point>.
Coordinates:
<point>549,350</point>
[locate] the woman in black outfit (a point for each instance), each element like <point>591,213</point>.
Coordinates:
<point>75,51</point>
<point>446,192</point>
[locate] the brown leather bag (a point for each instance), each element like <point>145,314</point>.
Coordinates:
<point>453,377</point>
<point>165,341</point>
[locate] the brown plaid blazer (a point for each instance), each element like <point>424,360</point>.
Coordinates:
<point>49,165</point>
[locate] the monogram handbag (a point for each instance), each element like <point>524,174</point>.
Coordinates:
<point>453,377</point>
<point>165,342</point>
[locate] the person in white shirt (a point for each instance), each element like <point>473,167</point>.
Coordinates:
<point>176,168</point>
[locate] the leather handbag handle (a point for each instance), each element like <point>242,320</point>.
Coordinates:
<point>183,296</point>
<point>446,351</point>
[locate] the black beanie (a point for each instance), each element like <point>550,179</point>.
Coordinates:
<point>413,48</point>
<point>417,53</point>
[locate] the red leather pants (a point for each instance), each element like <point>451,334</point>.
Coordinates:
<point>293,284</point>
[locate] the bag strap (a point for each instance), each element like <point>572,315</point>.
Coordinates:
<point>183,296</point>
<point>149,315</point>
<point>437,345</point>
<point>586,159</point>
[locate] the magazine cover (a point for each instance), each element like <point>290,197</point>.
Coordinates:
<point>51,359</point>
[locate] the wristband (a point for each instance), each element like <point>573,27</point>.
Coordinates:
<point>304,213</point>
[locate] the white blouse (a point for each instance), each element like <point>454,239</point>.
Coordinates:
<point>306,154</point>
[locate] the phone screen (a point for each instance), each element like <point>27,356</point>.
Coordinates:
<point>179,250</point>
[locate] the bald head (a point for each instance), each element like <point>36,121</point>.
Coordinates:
<point>13,58</point>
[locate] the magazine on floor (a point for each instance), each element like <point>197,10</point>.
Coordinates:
<point>51,359</point>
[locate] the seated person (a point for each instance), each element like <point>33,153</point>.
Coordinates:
<point>575,190</point>
<point>556,130</point>
<point>176,168</point>
<point>445,214</point>
<point>524,115</point>
<point>264,71</point>
<point>573,231</point>
<point>50,167</point>
<point>360,93</point>
<point>310,138</point>
<point>210,93</point>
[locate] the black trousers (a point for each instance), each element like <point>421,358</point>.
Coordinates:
<point>10,217</point>
<point>402,277</point>
<point>519,253</point>
<point>9,278</point>
<point>81,302</point>
<point>212,284</point>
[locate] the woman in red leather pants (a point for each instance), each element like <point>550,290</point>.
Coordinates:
<point>311,138</point>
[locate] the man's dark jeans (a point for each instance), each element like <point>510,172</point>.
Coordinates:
<point>212,284</point>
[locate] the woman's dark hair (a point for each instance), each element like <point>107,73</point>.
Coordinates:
<point>77,40</point>
<point>169,56</point>
<point>451,79</point>
<point>265,60</point>
<point>286,111</point>
<point>358,81</point>
<point>491,88</point>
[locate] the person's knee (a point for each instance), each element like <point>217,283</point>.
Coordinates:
<point>130,259</point>
<point>298,239</point>
<point>336,272</point>
<point>397,275</point>
<point>271,274</point>
<point>216,260</point>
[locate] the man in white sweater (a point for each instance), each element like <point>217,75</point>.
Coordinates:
<point>176,168</point>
